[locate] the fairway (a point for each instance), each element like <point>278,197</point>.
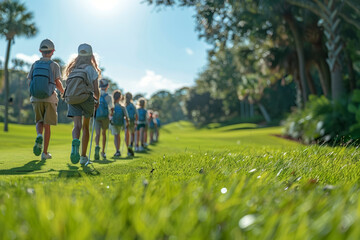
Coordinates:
<point>231,182</point>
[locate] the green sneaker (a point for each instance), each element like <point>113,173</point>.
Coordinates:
<point>75,156</point>
<point>38,145</point>
<point>97,150</point>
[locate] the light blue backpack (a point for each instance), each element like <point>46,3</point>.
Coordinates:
<point>42,84</point>
<point>131,112</point>
<point>118,116</point>
<point>102,112</point>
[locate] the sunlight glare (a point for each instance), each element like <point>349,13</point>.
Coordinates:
<point>105,6</point>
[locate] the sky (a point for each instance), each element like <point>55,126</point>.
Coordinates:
<point>142,49</point>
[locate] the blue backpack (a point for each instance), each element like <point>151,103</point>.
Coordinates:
<point>131,111</point>
<point>142,115</point>
<point>42,84</point>
<point>118,116</point>
<point>102,112</point>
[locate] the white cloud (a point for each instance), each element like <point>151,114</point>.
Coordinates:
<point>26,58</point>
<point>189,51</point>
<point>152,82</point>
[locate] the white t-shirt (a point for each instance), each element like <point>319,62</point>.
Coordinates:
<point>91,73</point>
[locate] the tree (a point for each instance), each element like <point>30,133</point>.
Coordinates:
<point>15,20</point>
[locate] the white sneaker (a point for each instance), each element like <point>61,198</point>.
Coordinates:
<point>103,155</point>
<point>45,156</point>
<point>136,149</point>
<point>83,160</point>
<point>141,149</point>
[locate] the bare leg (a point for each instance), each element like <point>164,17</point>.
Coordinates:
<point>117,141</point>
<point>142,137</point>
<point>103,140</point>
<point>77,127</point>
<point>85,136</point>
<point>39,127</point>
<point>46,137</point>
<point>97,137</point>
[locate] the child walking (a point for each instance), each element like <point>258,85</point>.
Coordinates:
<point>119,120</point>
<point>158,125</point>
<point>44,76</point>
<point>141,125</point>
<point>152,126</point>
<point>133,117</point>
<point>102,118</point>
<point>81,93</point>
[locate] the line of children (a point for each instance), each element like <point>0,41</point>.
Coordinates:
<point>83,98</point>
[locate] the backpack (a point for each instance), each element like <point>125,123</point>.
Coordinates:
<point>78,89</point>
<point>131,111</point>
<point>118,116</point>
<point>42,84</point>
<point>102,112</point>
<point>142,115</point>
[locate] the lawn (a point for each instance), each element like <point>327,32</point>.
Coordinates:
<point>220,182</point>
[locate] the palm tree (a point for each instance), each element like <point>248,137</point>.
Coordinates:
<point>15,20</point>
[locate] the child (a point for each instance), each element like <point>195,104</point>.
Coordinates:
<point>141,125</point>
<point>81,88</point>
<point>133,117</point>
<point>119,119</point>
<point>44,75</point>
<point>102,118</point>
<point>157,129</point>
<point>152,125</point>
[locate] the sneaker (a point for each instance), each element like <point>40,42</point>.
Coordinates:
<point>103,155</point>
<point>75,156</point>
<point>117,154</point>
<point>97,150</point>
<point>141,149</point>
<point>83,160</point>
<point>136,149</point>
<point>130,152</point>
<point>45,156</point>
<point>38,145</point>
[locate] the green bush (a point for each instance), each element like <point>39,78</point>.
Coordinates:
<point>323,121</point>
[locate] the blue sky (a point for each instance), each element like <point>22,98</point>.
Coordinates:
<point>141,48</point>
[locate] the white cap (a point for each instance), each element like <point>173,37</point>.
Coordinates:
<point>85,50</point>
<point>46,45</point>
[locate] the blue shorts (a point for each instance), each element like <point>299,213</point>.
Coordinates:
<point>85,109</point>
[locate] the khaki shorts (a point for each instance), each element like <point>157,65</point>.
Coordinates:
<point>45,112</point>
<point>131,126</point>
<point>115,130</point>
<point>102,124</point>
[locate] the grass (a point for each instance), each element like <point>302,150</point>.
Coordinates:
<point>223,182</point>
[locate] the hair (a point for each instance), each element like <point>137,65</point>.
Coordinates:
<point>156,114</point>
<point>117,95</point>
<point>80,60</point>
<point>142,102</point>
<point>128,98</point>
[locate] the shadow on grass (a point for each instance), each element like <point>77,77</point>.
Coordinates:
<point>74,172</point>
<point>29,167</point>
<point>105,161</point>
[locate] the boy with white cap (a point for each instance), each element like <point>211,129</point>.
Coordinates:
<point>44,77</point>
<point>102,118</point>
<point>81,92</point>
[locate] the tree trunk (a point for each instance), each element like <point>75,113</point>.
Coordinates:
<point>309,79</point>
<point>264,112</point>
<point>324,76</point>
<point>7,87</point>
<point>337,84</point>
<point>352,80</point>
<point>300,55</point>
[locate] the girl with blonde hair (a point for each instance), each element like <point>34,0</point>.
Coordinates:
<point>82,95</point>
